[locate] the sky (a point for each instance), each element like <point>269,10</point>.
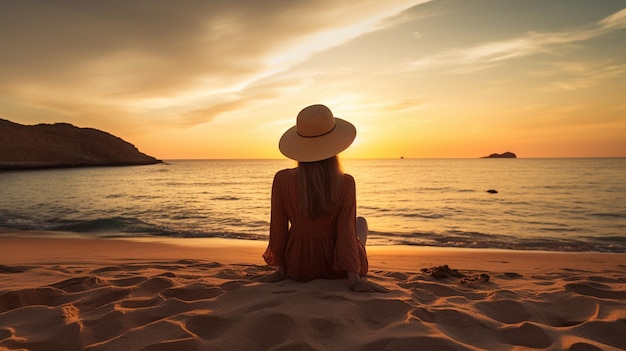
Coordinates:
<point>419,79</point>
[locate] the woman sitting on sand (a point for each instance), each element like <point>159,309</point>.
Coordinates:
<point>314,231</point>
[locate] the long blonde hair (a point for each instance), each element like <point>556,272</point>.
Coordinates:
<point>319,185</point>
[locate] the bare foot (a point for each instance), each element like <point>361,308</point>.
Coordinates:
<point>276,276</point>
<point>365,286</point>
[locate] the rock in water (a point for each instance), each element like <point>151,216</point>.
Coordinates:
<point>502,155</point>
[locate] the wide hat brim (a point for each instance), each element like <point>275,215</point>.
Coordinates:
<point>311,149</point>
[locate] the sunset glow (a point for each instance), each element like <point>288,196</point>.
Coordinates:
<point>418,78</point>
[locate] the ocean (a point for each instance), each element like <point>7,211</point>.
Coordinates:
<point>523,204</point>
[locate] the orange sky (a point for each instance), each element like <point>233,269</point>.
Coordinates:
<point>460,78</point>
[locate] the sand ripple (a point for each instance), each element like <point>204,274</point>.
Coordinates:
<point>197,305</point>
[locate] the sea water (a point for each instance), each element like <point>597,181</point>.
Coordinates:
<point>538,204</point>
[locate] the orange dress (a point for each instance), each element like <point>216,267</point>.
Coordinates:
<point>310,248</point>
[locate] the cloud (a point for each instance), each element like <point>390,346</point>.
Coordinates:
<point>615,21</point>
<point>582,75</point>
<point>405,104</point>
<point>531,43</point>
<point>129,53</point>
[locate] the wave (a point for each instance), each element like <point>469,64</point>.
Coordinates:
<point>111,227</point>
<point>117,226</point>
<point>113,224</point>
<point>609,215</point>
<point>463,239</point>
<point>225,198</point>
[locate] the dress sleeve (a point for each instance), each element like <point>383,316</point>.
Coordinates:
<point>349,252</point>
<point>279,225</point>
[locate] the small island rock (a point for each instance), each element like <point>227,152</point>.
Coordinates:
<point>502,155</point>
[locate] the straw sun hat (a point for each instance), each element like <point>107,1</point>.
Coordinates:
<point>317,135</point>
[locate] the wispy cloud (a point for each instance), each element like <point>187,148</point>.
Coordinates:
<point>615,21</point>
<point>531,43</point>
<point>582,75</point>
<point>176,54</point>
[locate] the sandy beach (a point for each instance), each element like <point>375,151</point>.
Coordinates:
<point>204,294</point>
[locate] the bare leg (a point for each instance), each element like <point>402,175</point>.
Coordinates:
<point>358,283</point>
<point>361,229</point>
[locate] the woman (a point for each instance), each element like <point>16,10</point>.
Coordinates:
<point>314,232</point>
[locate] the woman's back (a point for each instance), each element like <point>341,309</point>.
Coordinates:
<point>313,226</point>
<point>319,247</point>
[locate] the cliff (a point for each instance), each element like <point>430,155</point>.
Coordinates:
<point>502,155</point>
<point>64,145</point>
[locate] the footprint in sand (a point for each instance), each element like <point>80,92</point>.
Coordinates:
<point>128,281</point>
<point>233,285</point>
<point>610,332</point>
<point>271,328</point>
<point>141,302</point>
<point>193,292</point>
<point>13,269</point>
<point>380,313</point>
<point>527,334</point>
<point>504,310</point>
<point>208,326</point>
<point>80,284</point>
<point>45,296</point>
<point>156,284</point>
<point>596,290</point>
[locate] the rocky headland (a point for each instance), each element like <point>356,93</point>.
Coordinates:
<point>63,145</point>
